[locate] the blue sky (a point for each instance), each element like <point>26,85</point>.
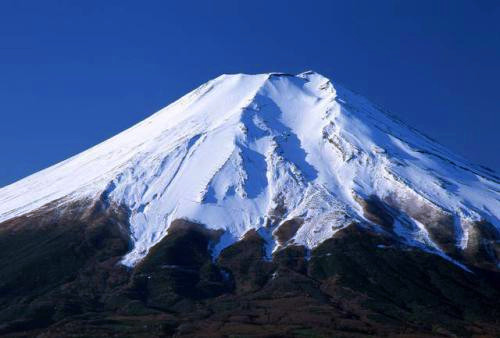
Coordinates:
<point>74,73</point>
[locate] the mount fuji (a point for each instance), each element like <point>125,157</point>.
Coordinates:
<point>261,179</point>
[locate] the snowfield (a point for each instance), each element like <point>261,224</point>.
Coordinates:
<point>253,151</point>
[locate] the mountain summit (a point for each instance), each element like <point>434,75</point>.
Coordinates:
<point>260,151</point>
<point>265,205</point>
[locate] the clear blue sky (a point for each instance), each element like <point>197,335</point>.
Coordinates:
<point>73,73</point>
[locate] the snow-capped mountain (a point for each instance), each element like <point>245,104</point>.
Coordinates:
<point>269,152</point>
<point>263,205</point>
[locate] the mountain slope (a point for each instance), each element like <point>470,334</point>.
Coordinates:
<point>262,205</point>
<point>60,277</point>
<point>248,152</point>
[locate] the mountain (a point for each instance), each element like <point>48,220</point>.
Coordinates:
<point>270,204</point>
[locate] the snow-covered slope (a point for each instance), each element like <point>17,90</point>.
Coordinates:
<point>253,151</point>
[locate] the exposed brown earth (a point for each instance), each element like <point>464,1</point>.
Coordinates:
<point>483,247</point>
<point>483,243</point>
<point>439,223</point>
<point>377,211</point>
<point>59,276</point>
<point>288,229</point>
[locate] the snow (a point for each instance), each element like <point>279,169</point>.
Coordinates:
<point>244,152</point>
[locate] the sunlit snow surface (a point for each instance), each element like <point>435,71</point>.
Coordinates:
<point>246,151</point>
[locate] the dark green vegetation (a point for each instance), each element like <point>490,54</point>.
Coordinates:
<point>59,277</point>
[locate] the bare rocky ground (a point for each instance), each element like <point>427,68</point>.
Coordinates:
<point>60,277</point>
